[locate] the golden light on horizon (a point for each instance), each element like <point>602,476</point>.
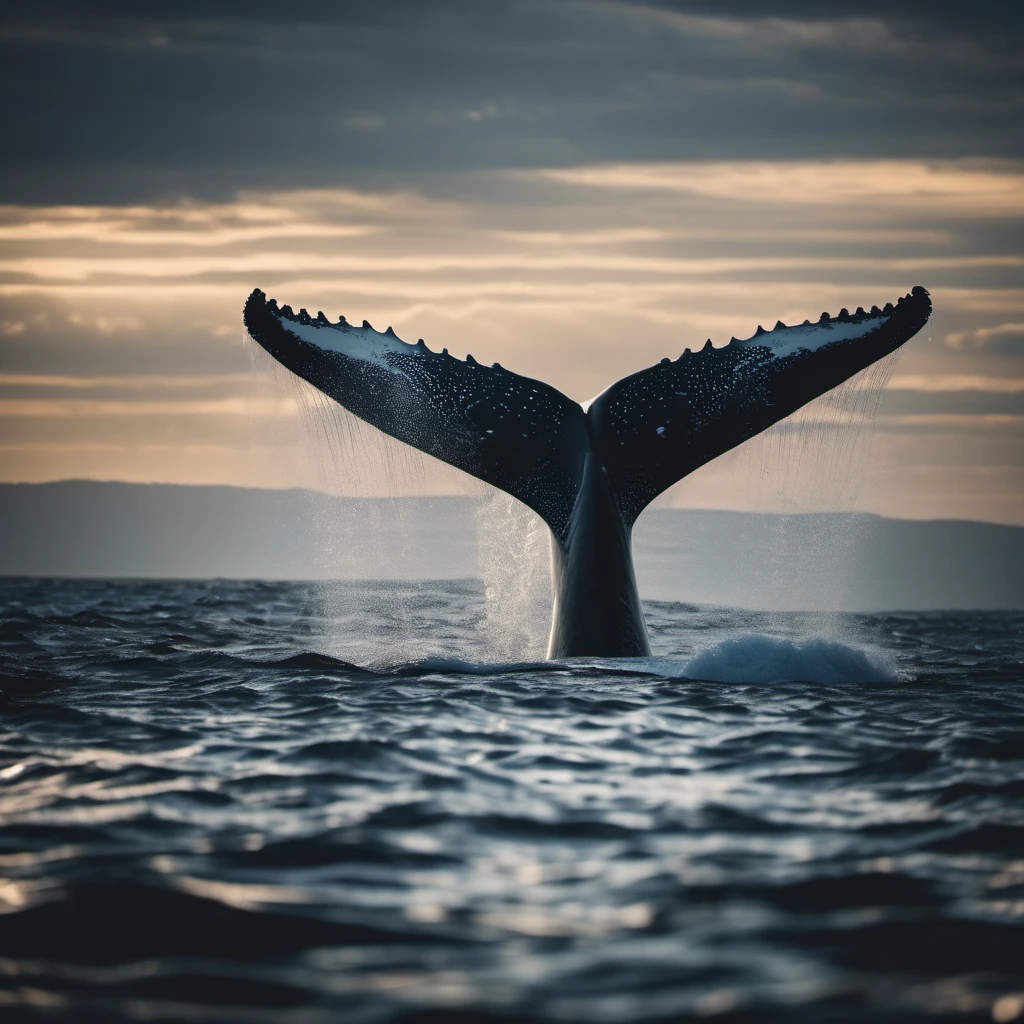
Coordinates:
<point>593,272</point>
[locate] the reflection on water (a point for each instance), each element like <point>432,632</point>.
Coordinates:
<point>209,815</point>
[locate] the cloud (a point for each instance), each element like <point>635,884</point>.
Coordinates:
<point>401,93</point>
<point>124,335</point>
<point>900,403</point>
<point>949,187</point>
<point>575,188</point>
<point>78,408</point>
<point>300,215</point>
<point>932,382</point>
<point>999,338</point>
<point>62,270</point>
<point>965,420</point>
<point>51,383</point>
<point>61,334</point>
<point>991,20</point>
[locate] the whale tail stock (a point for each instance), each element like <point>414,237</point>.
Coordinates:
<point>587,473</point>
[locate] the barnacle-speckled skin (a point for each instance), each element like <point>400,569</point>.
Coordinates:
<point>707,402</point>
<point>521,435</point>
<point>588,474</point>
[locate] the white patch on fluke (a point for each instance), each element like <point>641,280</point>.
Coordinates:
<point>785,341</point>
<point>355,342</point>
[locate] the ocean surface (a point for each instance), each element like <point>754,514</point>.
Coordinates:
<point>278,802</point>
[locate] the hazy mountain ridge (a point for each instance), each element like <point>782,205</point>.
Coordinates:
<point>808,561</point>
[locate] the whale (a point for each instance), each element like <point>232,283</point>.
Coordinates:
<point>587,470</point>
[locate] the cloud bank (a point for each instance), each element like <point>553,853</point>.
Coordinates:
<point>574,188</point>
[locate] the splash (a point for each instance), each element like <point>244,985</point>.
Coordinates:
<point>813,460</point>
<point>818,460</point>
<point>758,658</point>
<point>385,486</point>
<point>515,563</point>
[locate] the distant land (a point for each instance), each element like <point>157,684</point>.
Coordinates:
<point>812,561</point>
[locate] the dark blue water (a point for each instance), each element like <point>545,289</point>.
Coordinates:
<point>207,818</point>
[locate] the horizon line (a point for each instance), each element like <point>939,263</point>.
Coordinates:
<point>474,498</point>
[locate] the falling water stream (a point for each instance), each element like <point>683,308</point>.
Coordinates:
<point>814,460</point>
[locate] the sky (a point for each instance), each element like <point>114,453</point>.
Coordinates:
<point>574,188</point>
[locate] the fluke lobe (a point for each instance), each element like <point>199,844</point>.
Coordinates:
<point>587,471</point>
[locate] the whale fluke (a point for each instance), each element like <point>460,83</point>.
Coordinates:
<point>587,474</point>
<point>731,394</point>
<point>417,397</point>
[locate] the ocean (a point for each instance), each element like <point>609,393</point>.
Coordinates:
<point>293,802</point>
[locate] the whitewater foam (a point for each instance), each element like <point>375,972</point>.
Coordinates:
<point>742,658</point>
<point>758,658</point>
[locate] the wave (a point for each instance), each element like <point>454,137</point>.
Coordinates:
<point>759,658</point>
<point>213,813</point>
<point>458,667</point>
<point>747,658</point>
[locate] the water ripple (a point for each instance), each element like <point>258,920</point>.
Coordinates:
<point>217,806</point>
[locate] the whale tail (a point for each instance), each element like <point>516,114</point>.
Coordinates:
<point>646,431</point>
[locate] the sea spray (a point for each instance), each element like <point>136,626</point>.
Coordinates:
<point>813,461</point>
<point>817,460</point>
<point>323,447</point>
<point>515,563</point>
<point>759,658</point>
<point>349,457</point>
